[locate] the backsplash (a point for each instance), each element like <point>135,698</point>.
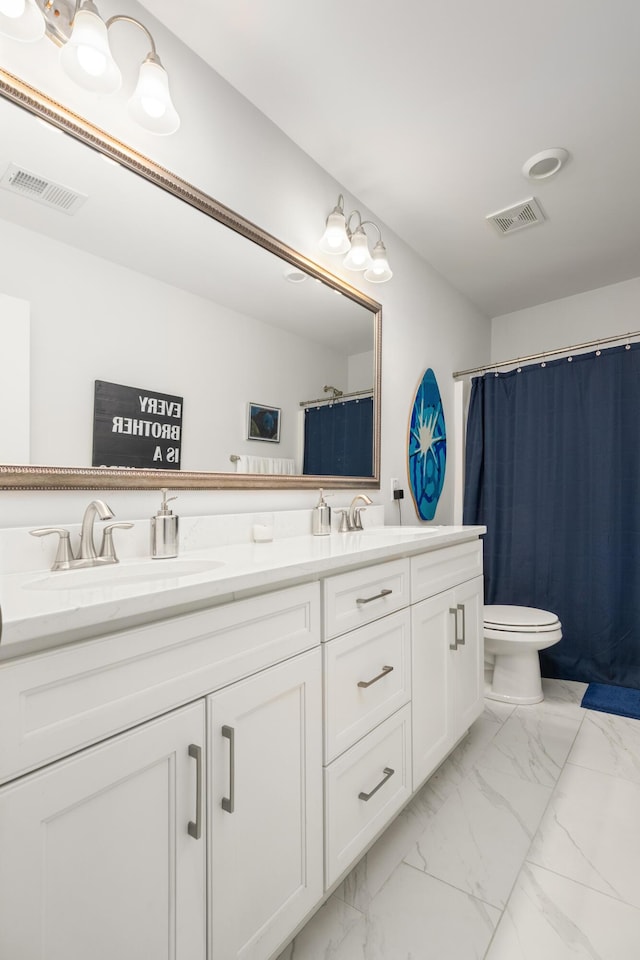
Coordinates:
<point>20,552</point>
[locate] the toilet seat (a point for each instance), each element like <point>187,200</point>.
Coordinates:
<point>520,619</point>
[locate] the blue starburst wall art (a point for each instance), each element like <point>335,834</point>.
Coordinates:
<point>427,447</point>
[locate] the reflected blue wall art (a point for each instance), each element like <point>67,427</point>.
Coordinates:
<point>427,447</point>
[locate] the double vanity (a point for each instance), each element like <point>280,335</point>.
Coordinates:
<point>194,752</point>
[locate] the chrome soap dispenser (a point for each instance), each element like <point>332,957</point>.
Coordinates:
<point>164,530</point>
<point>321,522</point>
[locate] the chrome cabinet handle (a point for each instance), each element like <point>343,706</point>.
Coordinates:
<point>383,593</point>
<point>458,640</point>
<point>388,772</point>
<point>195,829</point>
<point>228,803</point>
<point>383,673</point>
<point>454,645</point>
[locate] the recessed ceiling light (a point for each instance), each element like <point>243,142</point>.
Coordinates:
<point>545,163</point>
<point>293,275</point>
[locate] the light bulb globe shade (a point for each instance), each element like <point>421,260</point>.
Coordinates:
<point>21,20</point>
<point>12,8</point>
<point>358,257</point>
<point>86,58</point>
<point>379,271</point>
<point>335,238</point>
<point>151,105</point>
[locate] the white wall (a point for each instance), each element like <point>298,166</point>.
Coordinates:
<point>607,311</point>
<point>15,351</point>
<point>360,375</point>
<point>234,153</point>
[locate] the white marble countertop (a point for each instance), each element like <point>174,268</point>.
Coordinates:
<point>41,609</point>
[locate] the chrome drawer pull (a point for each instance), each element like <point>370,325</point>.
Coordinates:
<point>195,829</point>
<point>383,593</point>
<point>388,772</point>
<point>367,683</point>
<point>228,803</point>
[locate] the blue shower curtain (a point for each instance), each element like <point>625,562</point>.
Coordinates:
<point>553,470</point>
<point>338,439</point>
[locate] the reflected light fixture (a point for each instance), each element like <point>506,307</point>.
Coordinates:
<point>339,238</point>
<point>85,56</point>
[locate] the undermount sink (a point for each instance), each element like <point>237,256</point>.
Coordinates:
<point>398,531</point>
<point>113,575</point>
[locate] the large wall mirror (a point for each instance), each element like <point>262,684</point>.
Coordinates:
<point>122,284</point>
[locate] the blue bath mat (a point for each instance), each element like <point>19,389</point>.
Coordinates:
<point>608,698</point>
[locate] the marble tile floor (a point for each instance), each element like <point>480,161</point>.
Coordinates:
<point>524,845</point>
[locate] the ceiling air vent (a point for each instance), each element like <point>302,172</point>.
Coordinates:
<point>524,214</point>
<point>18,180</point>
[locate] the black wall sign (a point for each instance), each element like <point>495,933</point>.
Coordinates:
<point>136,428</point>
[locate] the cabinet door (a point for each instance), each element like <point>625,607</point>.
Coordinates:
<point>467,660</point>
<point>97,859</point>
<point>448,673</point>
<point>431,633</point>
<point>265,812</point>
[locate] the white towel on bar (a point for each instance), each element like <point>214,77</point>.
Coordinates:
<point>281,465</point>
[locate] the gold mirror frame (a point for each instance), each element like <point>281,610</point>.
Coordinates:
<point>16,477</point>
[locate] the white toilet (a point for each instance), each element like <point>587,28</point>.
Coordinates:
<point>512,638</point>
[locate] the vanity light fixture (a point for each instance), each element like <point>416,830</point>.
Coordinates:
<point>339,238</point>
<point>85,56</point>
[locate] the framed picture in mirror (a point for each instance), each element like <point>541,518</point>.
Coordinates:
<point>263,423</point>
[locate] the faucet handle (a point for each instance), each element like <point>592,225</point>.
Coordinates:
<point>64,555</point>
<point>107,549</point>
<point>357,519</point>
<point>344,522</point>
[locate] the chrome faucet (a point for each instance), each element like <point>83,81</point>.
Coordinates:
<point>354,519</point>
<point>87,556</point>
<point>97,508</point>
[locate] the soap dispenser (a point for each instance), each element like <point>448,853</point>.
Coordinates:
<point>321,521</point>
<point>164,530</point>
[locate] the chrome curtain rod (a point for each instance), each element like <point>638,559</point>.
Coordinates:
<point>546,353</point>
<point>343,396</point>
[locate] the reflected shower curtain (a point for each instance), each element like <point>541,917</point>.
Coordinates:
<point>338,439</point>
<point>553,471</point>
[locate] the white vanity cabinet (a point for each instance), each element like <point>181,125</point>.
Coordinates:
<point>192,787</point>
<point>265,807</point>
<point>122,848</point>
<point>367,692</point>
<point>96,857</point>
<point>400,690</point>
<point>447,651</point>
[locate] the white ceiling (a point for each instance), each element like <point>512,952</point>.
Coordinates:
<point>426,111</point>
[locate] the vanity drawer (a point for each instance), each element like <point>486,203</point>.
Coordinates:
<point>355,598</point>
<point>364,789</point>
<point>367,677</point>
<point>439,570</point>
<point>57,702</point>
